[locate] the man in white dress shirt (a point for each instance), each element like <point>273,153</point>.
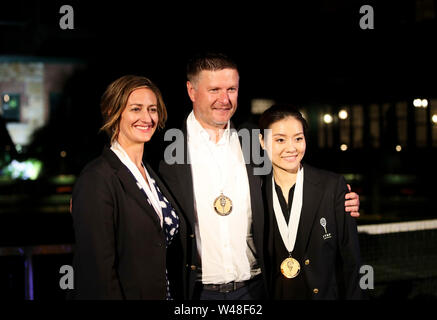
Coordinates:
<point>218,168</point>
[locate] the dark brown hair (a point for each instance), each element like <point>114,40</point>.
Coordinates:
<point>115,98</point>
<point>208,61</point>
<point>278,112</point>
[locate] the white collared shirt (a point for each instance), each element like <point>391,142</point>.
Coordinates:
<point>149,189</point>
<point>216,168</point>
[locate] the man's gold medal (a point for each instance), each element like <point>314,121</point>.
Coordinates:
<point>223,205</point>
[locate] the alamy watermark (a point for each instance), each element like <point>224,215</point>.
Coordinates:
<point>367,20</point>
<point>67,20</point>
<point>175,152</point>
<point>67,280</point>
<point>367,280</point>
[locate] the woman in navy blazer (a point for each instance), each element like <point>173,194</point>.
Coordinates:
<point>126,224</point>
<point>313,249</point>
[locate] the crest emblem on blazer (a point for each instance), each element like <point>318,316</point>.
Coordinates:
<point>324,225</point>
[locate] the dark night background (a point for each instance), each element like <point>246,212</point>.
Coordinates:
<point>312,54</point>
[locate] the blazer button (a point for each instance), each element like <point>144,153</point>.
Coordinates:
<point>316,291</point>
<point>193,267</point>
<point>192,236</point>
<point>307,262</point>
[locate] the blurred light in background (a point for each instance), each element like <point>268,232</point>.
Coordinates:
<point>63,154</point>
<point>24,170</point>
<point>343,147</point>
<point>327,118</point>
<point>420,103</point>
<point>343,114</point>
<point>434,118</point>
<point>398,148</point>
<point>258,106</point>
<point>63,179</point>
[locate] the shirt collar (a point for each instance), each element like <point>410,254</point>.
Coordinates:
<point>195,129</point>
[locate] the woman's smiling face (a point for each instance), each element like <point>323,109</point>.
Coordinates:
<point>139,118</point>
<point>287,144</point>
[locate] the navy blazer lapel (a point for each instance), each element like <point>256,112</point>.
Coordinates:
<point>129,183</point>
<point>312,196</point>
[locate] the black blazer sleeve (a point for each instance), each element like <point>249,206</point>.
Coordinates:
<point>349,259</point>
<point>93,218</point>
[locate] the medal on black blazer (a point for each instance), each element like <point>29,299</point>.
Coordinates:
<point>290,267</point>
<point>222,205</point>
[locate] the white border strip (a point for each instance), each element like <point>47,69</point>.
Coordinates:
<point>398,227</point>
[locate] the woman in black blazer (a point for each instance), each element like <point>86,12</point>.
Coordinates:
<point>313,250</point>
<point>125,221</point>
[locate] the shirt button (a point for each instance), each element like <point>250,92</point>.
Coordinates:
<point>307,262</point>
<point>316,291</point>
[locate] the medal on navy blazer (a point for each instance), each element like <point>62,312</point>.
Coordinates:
<point>222,205</point>
<point>290,267</point>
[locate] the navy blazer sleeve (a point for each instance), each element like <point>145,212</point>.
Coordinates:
<point>349,260</point>
<point>93,218</point>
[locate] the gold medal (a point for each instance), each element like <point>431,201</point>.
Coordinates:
<point>223,205</point>
<point>290,267</point>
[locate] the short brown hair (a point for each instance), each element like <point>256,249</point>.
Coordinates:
<point>115,98</point>
<point>208,61</point>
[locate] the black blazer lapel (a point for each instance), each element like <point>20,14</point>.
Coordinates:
<point>312,195</point>
<point>256,205</point>
<point>185,180</point>
<point>268,192</point>
<point>129,183</point>
<point>180,181</point>
<point>255,183</point>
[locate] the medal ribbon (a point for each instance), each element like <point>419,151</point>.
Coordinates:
<point>289,233</point>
